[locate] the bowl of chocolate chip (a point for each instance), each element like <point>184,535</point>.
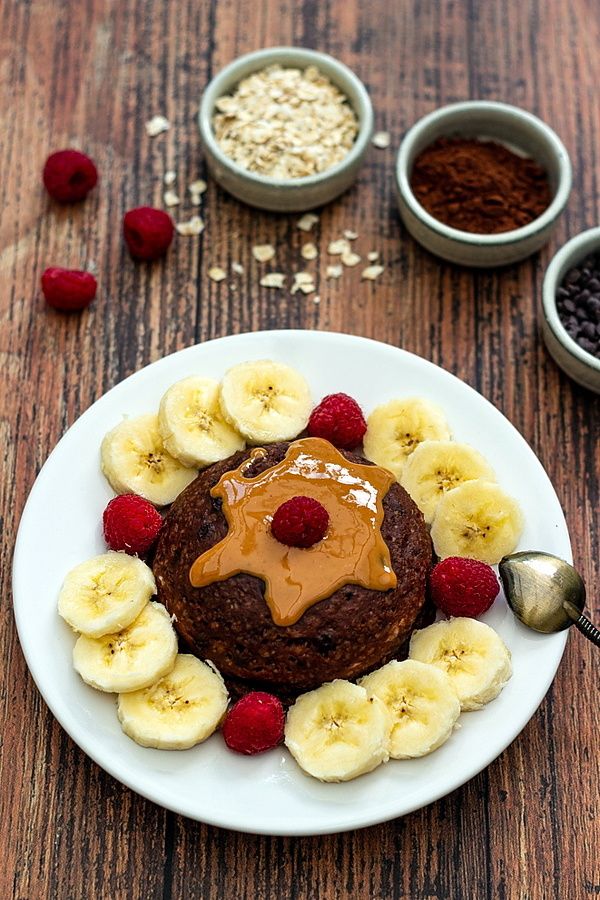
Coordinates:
<point>571,308</point>
<point>285,128</point>
<point>481,183</point>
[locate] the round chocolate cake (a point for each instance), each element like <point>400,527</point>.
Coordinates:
<point>228,622</point>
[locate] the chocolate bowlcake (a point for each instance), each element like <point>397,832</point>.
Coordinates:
<point>228,622</point>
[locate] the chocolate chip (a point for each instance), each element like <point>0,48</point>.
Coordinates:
<point>594,285</point>
<point>589,330</point>
<point>573,276</point>
<point>569,306</point>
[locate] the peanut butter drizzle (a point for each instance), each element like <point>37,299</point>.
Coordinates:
<point>352,551</point>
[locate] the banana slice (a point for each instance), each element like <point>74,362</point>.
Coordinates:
<point>106,593</point>
<point>338,732</point>
<point>477,519</point>
<point>180,710</point>
<point>192,426</point>
<point>265,401</point>
<point>135,461</point>
<point>132,658</point>
<point>437,467</point>
<point>422,702</point>
<point>475,658</point>
<point>396,429</point>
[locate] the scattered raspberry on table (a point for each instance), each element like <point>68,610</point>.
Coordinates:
<point>69,175</point>
<point>463,587</point>
<point>131,524</point>
<point>68,289</point>
<point>338,419</point>
<point>254,724</point>
<point>300,522</point>
<point>148,232</point>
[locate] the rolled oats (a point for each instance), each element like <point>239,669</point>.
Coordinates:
<point>306,222</point>
<point>371,273</point>
<point>216,273</point>
<point>334,271</point>
<point>156,125</point>
<point>171,198</point>
<point>273,280</point>
<point>349,258</point>
<point>193,226</point>
<point>381,139</point>
<point>170,178</point>
<point>285,123</point>
<point>309,251</point>
<point>263,252</point>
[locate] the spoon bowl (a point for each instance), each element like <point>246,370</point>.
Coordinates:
<point>538,586</point>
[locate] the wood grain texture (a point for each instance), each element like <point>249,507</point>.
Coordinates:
<point>89,75</point>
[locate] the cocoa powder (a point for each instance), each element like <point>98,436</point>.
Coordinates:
<point>479,186</point>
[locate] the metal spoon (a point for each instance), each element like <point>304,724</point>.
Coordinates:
<point>546,593</point>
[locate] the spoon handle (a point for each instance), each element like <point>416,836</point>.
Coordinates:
<point>582,623</point>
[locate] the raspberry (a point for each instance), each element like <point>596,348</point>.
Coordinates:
<point>300,522</point>
<point>254,724</point>
<point>131,524</point>
<point>463,587</point>
<point>148,232</point>
<point>339,419</point>
<point>68,289</point>
<point>69,175</point>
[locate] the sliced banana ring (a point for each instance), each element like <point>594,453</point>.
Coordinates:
<point>177,712</point>
<point>338,731</point>
<point>130,659</point>
<point>265,401</point>
<point>395,430</point>
<point>422,702</point>
<point>106,593</point>
<point>472,654</point>
<point>477,519</point>
<point>437,467</point>
<point>192,426</point>
<point>135,461</point>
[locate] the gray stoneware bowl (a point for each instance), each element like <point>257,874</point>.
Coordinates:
<point>580,365</point>
<point>511,126</point>
<point>283,195</point>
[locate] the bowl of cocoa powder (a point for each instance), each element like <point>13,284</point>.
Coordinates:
<point>482,183</point>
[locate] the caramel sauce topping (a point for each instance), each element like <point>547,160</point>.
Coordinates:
<point>352,551</point>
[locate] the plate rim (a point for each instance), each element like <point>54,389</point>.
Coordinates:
<point>349,819</point>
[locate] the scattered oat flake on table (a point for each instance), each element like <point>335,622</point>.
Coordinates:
<point>334,271</point>
<point>350,235</point>
<point>371,273</point>
<point>156,125</point>
<point>309,251</point>
<point>303,281</point>
<point>316,299</point>
<point>263,252</point>
<point>350,259</point>
<point>381,139</point>
<point>196,189</point>
<point>193,226</point>
<point>171,198</point>
<point>373,255</point>
<point>216,273</point>
<point>273,280</point>
<point>307,221</point>
<point>336,248</point>
<point>237,268</point>
<point>170,177</point>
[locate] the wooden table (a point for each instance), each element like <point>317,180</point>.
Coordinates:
<point>90,75</point>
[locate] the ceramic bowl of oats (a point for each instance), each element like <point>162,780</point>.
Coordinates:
<point>285,129</point>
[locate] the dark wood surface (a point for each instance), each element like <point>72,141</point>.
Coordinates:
<point>89,75</point>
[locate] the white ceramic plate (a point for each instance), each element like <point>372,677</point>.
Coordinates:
<point>61,526</point>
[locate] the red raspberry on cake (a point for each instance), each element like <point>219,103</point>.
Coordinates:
<point>68,289</point>
<point>148,232</point>
<point>69,175</point>
<point>131,523</point>
<point>300,522</point>
<point>254,724</point>
<point>463,587</point>
<point>338,419</point>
